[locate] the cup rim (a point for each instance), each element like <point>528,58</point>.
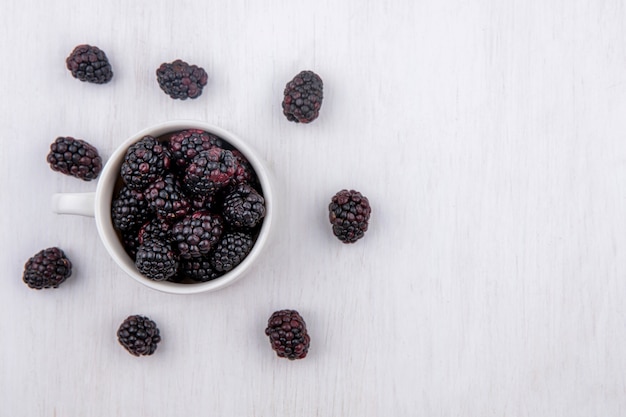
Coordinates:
<point>104,196</point>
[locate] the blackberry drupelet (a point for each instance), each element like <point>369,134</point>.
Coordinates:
<point>209,171</point>
<point>349,213</point>
<point>165,197</point>
<point>48,268</point>
<point>197,233</point>
<point>231,250</point>
<point>288,334</point>
<point>89,63</point>
<point>180,80</point>
<point>303,97</point>
<point>144,162</point>
<point>156,260</point>
<point>197,269</point>
<point>244,207</point>
<point>139,335</point>
<point>129,210</point>
<point>75,157</point>
<point>185,145</point>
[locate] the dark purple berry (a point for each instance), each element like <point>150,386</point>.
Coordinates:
<point>89,63</point>
<point>139,335</point>
<point>179,80</point>
<point>156,260</point>
<point>165,197</point>
<point>231,250</point>
<point>129,210</point>
<point>210,171</point>
<point>197,269</point>
<point>185,145</point>
<point>144,163</point>
<point>196,234</point>
<point>48,268</point>
<point>349,214</point>
<point>75,157</point>
<point>288,334</point>
<point>244,207</point>
<point>303,97</point>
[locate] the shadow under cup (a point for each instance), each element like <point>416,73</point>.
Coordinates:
<point>110,181</point>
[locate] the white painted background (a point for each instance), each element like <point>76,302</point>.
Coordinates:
<point>489,135</point>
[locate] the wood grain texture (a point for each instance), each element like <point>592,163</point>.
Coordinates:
<point>488,135</point>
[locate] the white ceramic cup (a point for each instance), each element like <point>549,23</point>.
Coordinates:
<point>98,205</point>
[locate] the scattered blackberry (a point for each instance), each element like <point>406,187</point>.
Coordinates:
<point>244,207</point>
<point>155,229</point>
<point>165,197</point>
<point>303,97</point>
<point>139,335</point>
<point>349,214</point>
<point>288,334</point>
<point>156,260</point>
<point>180,80</point>
<point>129,210</point>
<point>209,171</point>
<point>48,268</point>
<point>231,251</point>
<point>144,163</point>
<point>244,174</point>
<point>197,269</point>
<point>185,145</point>
<point>196,234</point>
<point>89,63</point>
<point>75,157</point>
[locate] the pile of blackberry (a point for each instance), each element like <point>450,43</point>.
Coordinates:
<point>188,208</point>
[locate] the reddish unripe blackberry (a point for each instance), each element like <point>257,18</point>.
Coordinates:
<point>165,197</point>
<point>89,63</point>
<point>48,268</point>
<point>303,97</point>
<point>210,171</point>
<point>185,145</point>
<point>231,250</point>
<point>197,269</point>
<point>129,210</point>
<point>179,80</point>
<point>144,163</point>
<point>244,207</point>
<point>75,157</point>
<point>156,260</point>
<point>288,334</point>
<point>139,335</point>
<point>349,214</point>
<point>196,234</point>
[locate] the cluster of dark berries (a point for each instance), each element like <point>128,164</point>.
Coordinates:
<point>75,157</point>
<point>189,208</point>
<point>349,213</point>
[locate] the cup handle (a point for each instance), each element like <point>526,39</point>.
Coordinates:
<point>82,204</point>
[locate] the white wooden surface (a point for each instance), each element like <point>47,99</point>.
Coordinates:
<point>489,136</point>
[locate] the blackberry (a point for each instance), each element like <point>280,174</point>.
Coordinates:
<point>89,63</point>
<point>139,335</point>
<point>244,207</point>
<point>155,229</point>
<point>75,157</point>
<point>180,80</point>
<point>185,145</point>
<point>166,199</point>
<point>231,251</point>
<point>210,171</point>
<point>209,202</point>
<point>130,242</point>
<point>156,260</point>
<point>144,162</point>
<point>349,214</point>
<point>303,97</point>
<point>288,334</point>
<point>48,268</point>
<point>196,234</point>
<point>197,269</point>
<point>129,210</point>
